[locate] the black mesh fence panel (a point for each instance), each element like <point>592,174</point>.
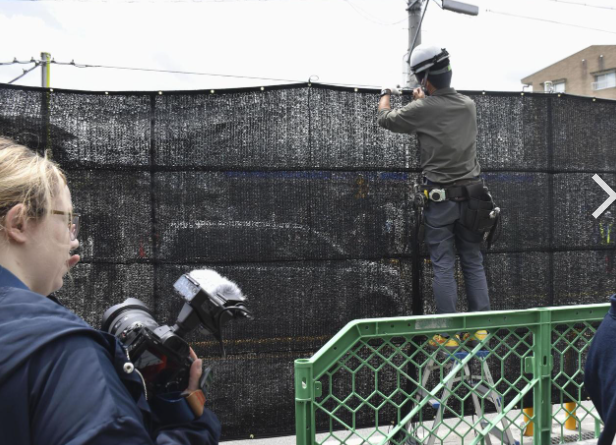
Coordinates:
<point>297,195</point>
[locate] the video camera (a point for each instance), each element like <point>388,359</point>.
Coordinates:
<point>160,353</point>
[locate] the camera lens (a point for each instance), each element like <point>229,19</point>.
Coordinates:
<point>127,315</point>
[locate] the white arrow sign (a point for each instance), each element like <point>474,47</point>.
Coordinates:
<point>608,201</point>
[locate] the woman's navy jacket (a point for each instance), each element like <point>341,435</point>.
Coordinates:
<point>600,374</point>
<point>63,383</point>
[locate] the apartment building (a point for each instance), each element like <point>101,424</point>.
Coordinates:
<point>590,72</point>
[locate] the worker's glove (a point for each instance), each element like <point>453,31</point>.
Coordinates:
<point>394,90</point>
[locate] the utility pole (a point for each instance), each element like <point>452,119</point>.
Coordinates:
<point>45,70</point>
<point>414,12</point>
<point>416,17</point>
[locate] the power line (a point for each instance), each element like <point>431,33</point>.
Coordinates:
<point>15,61</point>
<point>583,4</point>
<point>549,21</point>
<point>370,17</point>
<point>25,72</point>
<point>37,63</point>
<point>196,73</point>
<point>313,78</point>
<point>140,1</point>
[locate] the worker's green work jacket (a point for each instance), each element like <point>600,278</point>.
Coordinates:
<point>446,126</point>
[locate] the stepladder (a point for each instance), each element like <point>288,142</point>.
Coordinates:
<point>460,374</point>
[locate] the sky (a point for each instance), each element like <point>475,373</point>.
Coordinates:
<point>351,42</point>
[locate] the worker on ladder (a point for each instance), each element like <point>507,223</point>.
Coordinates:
<point>458,211</point>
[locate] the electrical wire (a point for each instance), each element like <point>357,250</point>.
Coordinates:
<point>312,78</point>
<point>371,18</point>
<point>196,73</point>
<point>549,21</point>
<point>15,61</point>
<point>25,72</point>
<point>583,4</point>
<point>140,1</point>
<point>77,65</point>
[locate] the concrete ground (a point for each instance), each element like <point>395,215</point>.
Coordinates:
<point>463,435</point>
<point>290,440</point>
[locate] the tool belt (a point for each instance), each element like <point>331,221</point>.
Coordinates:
<point>457,191</point>
<point>480,215</point>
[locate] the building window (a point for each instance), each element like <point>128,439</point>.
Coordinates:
<point>556,86</point>
<point>559,86</point>
<point>605,80</point>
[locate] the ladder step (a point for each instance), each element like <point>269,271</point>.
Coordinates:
<point>485,391</point>
<point>500,434</point>
<point>478,389</point>
<point>462,354</point>
<point>433,402</point>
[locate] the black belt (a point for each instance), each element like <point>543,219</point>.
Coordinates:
<point>457,191</point>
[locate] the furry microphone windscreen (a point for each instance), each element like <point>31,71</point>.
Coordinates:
<point>215,284</point>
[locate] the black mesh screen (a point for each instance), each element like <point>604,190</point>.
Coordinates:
<point>297,195</point>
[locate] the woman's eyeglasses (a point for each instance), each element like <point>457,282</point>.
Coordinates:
<point>73,222</point>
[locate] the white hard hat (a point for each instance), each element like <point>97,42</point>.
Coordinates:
<point>426,56</point>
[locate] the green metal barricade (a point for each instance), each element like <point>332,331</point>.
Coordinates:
<point>385,381</point>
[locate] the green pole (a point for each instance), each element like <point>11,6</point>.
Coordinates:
<point>543,370</point>
<point>304,424</point>
<point>46,98</point>
<point>45,70</point>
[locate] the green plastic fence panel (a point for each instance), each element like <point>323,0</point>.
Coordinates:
<point>388,380</point>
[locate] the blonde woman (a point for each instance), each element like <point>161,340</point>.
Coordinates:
<point>61,381</point>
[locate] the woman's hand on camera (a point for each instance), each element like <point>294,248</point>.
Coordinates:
<point>196,370</point>
<point>74,259</point>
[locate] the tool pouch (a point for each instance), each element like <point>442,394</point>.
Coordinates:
<point>478,215</point>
